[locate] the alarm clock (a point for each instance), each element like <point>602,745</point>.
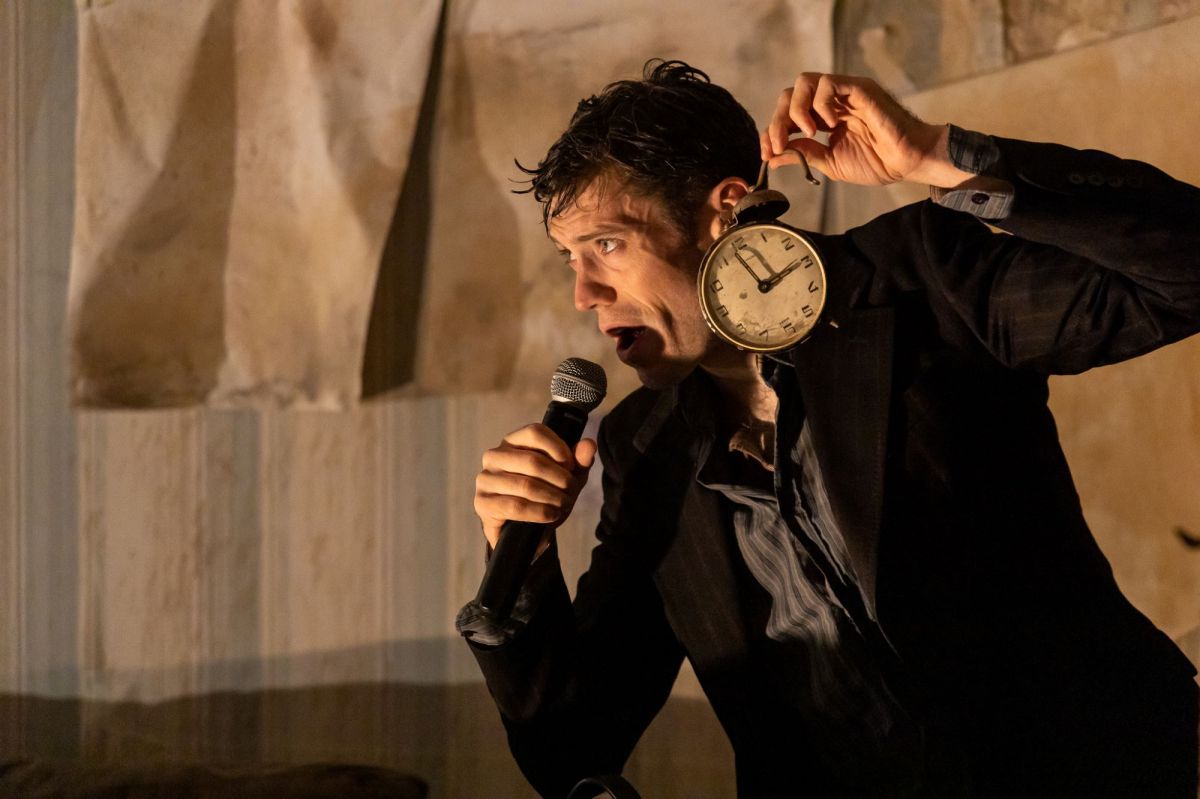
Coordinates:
<point>762,282</point>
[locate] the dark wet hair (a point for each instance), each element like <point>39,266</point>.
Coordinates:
<point>673,135</point>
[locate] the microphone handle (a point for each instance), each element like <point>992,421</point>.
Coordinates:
<point>518,543</point>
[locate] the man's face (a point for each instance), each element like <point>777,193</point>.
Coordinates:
<point>637,271</point>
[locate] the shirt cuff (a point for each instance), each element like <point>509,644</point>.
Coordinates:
<point>974,152</point>
<point>987,195</point>
<point>483,629</point>
<point>986,198</point>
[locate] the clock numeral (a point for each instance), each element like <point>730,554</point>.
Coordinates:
<point>716,285</point>
<point>739,242</point>
<point>764,235</point>
<point>788,244</point>
<point>722,310</point>
<point>807,261</point>
<point>808,311</point>
<point>741,327</point>
<point>787,325</point>
<point>813,288</point>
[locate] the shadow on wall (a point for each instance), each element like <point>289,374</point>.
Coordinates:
<point>447,312</point>
<point>389,359</point>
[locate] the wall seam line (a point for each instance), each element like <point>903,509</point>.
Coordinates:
<point>16,253</point>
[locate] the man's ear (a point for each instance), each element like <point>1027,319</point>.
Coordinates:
<point>717,212</point>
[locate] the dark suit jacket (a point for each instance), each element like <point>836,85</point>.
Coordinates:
<point>981,587</point>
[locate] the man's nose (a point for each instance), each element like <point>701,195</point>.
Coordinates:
<point>590,292</point>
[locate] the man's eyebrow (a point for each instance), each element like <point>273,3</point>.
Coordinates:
<point>620,225</point>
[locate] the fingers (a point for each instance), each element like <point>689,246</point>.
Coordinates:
<point>540,437</point>
<point>792,113</point>
<point>585,454</point>
<point>815,102</point>
<point>514,460</point>
<point>531,495</point>
<point>532,476</point>
<point>825,100</point>
<point>512,497</point>
<point>781,126</point>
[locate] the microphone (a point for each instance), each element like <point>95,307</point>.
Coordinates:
<point>576,388</point>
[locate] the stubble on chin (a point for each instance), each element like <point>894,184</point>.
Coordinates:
<point>663,376</point>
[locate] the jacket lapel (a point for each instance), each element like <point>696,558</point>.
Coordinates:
<point>695,570</point>
<point>845,380</point>
<point>699,586</point>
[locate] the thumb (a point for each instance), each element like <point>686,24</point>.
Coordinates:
<point>585,454</point>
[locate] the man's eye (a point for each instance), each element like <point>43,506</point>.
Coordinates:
<point>607,245</point>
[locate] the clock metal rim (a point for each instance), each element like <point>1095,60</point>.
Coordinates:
<point>707,261</point>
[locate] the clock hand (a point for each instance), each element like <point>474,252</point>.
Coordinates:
<point>763,285</point>
<point>778,276</point>
<point>766,285</point>
<point>766,264</point>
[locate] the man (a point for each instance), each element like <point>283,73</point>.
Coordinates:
<point>869,547</point>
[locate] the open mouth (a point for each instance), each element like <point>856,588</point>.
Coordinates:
<point>626,337</point>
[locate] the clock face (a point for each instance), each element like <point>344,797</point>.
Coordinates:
<point>762,286</point>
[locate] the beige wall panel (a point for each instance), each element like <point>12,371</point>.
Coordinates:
<point>420,497</point>
<point>1131,431</point>
<point>323,528</point>
<point>230,583</point>
<point>143,551</point>
<point>169,553</point>
<point>437,547</point>
<point>335,567</point>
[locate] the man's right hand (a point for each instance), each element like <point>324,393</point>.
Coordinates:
<point>532,476</point>
<point>873,139</point>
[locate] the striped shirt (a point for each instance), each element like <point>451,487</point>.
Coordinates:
<point>835,680</point>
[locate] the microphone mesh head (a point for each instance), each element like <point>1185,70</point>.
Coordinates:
<point>580,383</point>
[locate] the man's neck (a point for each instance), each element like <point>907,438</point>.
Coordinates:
<point>745,395</point>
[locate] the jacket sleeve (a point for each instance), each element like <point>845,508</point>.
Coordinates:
<point>579,684</point>
<point>1103,263</point>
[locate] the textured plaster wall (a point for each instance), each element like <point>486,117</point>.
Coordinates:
<point>914,45</point>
